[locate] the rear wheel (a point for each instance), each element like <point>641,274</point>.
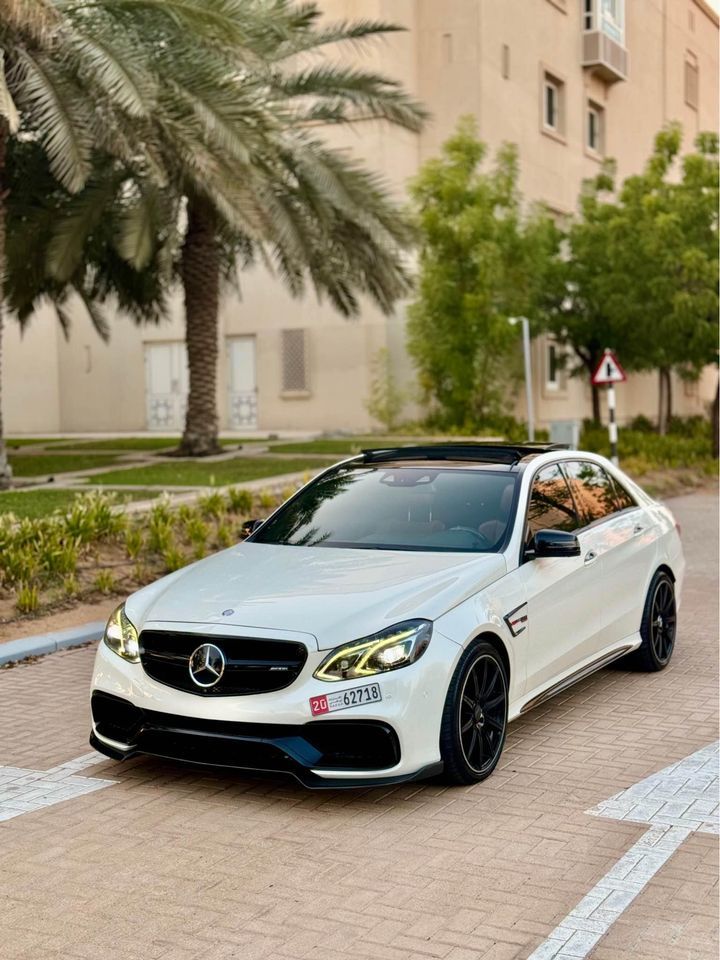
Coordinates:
<point>474,720</point>
<point>658,626</point>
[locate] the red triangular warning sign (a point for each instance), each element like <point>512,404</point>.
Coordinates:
<point>609,370</point>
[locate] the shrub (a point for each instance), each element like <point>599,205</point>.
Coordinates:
<point>70,586</point>
<point>239,501</point>
<point>653,451</point>
<point>267,499</point>
<point>212,505</point>
<point>58,556</point>
<point>104,581</point>
<point>28,598</point>
<point>224,535</point>
<point>19,564</point>
<point>173,558</point>
<point>134,542</point>
<point>92,517</point>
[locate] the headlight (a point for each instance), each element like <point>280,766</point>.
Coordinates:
<point>390,649</point>
<point>122,637</point>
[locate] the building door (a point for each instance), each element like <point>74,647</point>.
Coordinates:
<point>166,385</point>
<point>242,384</point>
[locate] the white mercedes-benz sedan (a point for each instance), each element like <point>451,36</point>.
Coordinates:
<point>388,620</point>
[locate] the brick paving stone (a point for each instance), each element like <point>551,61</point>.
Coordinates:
<point>179,863</point>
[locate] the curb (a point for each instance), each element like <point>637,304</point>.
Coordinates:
<point>15,650</point>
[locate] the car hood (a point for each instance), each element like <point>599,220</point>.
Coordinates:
<point>333,594</point>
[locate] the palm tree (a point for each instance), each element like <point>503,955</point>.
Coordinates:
<point>80,77</point>
<point>233,128</point>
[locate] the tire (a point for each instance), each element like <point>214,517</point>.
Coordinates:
<point>658,627</point>
<point>474,722</point>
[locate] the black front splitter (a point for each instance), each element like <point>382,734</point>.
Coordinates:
<point>306,777</point>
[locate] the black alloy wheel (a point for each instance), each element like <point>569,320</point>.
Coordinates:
<point>475,716</point>
<point>663,621</point>
<point>658,627</point>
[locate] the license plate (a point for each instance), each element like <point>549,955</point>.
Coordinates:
<point>344,699</point>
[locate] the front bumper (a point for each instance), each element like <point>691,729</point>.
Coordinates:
<point>372,744</point>
<point>121,730</point>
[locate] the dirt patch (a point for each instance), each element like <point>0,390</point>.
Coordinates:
<point>73,615</point>
<point>672,483</point>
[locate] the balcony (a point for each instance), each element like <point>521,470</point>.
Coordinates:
<point>607,57</point>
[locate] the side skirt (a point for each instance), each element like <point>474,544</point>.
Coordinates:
<point>578,675</point>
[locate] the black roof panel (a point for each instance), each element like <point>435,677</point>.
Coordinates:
<point>508,453</point>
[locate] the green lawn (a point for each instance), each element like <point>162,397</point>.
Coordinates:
<point>193,473</point>
<point>39,503</point>
<point>341,444</point>
<point>16,442</point>
<point>142,443</point>
<point>27,465</point>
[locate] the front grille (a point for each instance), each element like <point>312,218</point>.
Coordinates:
<point>326,744</point>
<point>251,665</point>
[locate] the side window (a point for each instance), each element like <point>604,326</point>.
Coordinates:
<point>623,499</point>
<point>592,489</point>
<point>551,505</point>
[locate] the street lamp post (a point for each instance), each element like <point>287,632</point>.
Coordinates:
<point>528,372</point>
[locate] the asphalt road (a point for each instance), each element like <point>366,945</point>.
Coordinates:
<point>183,864</point>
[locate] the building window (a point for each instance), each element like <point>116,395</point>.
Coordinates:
<point>553,106</point>
<point>553,367</point>
<point>595,128</point>
<point>294,362</point>
<point>447,48</point>
<point>692,80</point>
<point>612,19</point>
<point>505,61</point>
<point>588,14</point>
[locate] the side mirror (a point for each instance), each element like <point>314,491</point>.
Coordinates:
<point>250,526</point>
<point>555,543</point>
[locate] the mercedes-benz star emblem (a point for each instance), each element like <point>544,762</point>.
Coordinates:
<point>207,665</point>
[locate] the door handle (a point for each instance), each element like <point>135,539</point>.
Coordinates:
<point>590,557</point>
<point>638,528</point>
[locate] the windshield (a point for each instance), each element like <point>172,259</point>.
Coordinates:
<point>397,508</point>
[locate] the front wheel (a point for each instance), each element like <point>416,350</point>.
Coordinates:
<point>658,626</point>
<point>474,720</point>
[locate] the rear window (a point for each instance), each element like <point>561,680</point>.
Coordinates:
<point>398,508</point>
<point>592,489</point>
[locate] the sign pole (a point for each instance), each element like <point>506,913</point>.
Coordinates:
<point>609,372</point>
<point>612,423</point>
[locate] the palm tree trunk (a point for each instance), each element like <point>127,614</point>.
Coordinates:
<point>200,272</point>
<point>5,469</point>
<point>664,400</point>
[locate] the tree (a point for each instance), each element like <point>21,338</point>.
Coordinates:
<point>482,261</point>
<point>80,78</point>
<point>253,179</point>
<point>666,262</point>
<point>386,401</point>
<point>639,268</point>
<point>577,301</point>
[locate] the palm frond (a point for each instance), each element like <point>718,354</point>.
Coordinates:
<point>80,216</point>
<point>8,110</point>
<point>118,67</point>
<point>140,224</point>
<point>62,115</point>
<point>340,94</point>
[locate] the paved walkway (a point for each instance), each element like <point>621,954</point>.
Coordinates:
<point>182,864</point>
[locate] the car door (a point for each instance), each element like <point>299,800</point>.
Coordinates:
<point>564,594</point>
<point>626,541</point>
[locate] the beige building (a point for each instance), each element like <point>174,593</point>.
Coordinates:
<point>569,81</point>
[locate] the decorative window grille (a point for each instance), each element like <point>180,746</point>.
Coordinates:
<point>294,361</point>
